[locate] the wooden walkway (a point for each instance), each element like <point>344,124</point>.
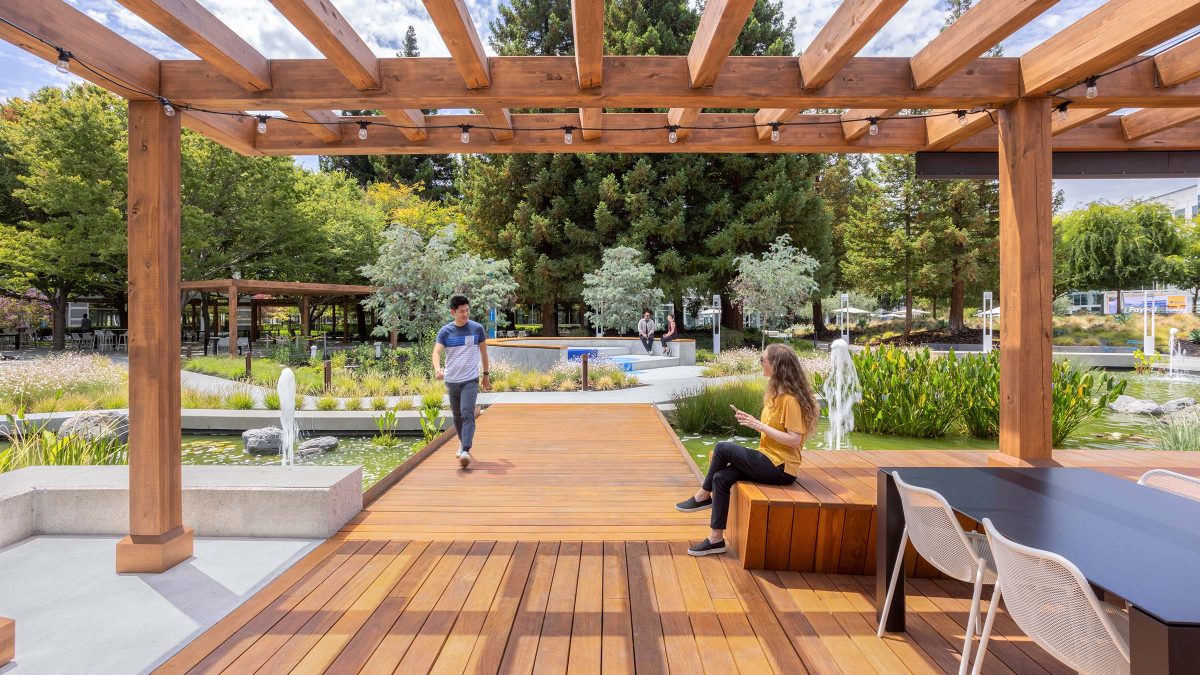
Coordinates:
<point>560,551</point>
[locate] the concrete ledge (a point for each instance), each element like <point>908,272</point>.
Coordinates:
<point>310,421</point>
<point>218,501</point>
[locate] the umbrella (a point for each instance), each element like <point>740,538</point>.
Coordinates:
<point>850,310</point>
<point>995,311</point>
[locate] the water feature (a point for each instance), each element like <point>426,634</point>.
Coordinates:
<point>1174,355</point>
<point>841,392</point>
<point>376,461</point>
<point>287,416</point>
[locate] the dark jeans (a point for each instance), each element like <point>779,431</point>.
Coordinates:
<point>462,403</point>
<point>666,339</point>
<point>732,463</point>
<point>648,343</point>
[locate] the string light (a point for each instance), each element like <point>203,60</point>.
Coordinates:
<point>64,61</point>
<point>1062,111</point>
<point>774,132</point>
<point>671,135</point>
<point>362,131</point>
<point>568,137</point>
<point>465,136</point>
<point>962,117</point>
<point>262,123</point>
<point>168,109</point>
<point>874,128</point>
<point>1092,91</point>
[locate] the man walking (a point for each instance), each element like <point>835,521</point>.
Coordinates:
<point>465,345</point>
<point>646,331</point>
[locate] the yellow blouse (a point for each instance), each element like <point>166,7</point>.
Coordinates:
<point>783,413</point>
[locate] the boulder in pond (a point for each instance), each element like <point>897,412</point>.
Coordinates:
<point>265,441</point>
<point>1135,406</point>
<point>317,445</point>
<point>1177,404</point>
<point>97,424</point>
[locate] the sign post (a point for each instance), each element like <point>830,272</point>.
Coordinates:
<point>716,323</point>
<point>987,321</point>
<point>843,317</point>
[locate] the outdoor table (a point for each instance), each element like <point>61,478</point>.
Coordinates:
<point>1132,541</point>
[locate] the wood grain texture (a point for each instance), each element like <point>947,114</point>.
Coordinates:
<point>592,122</point>
<point>1152,121</point>
<point>850,28</point>
<point>719,27</point>
<point>325,27</point>
<point>855,123</point>
<point>236,133</point>
<point>947,129</point>
<point>453,22</point>
<point>1077,118</point>
<point>1179,63</point>
<point>328,128</point>
<point>411,121</point>
<point>587,21</point>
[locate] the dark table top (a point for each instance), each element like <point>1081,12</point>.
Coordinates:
<point>1137,542</point>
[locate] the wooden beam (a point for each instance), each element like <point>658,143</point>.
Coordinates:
<point>157,539</point>
<point>587,20</point>
<point>1026,282</point>
<point>325,27</point>
<point>1179,63</point>
<point>1135,85</point>
<point>411,121</point>
<point>683,118</point>
<point>453,22</point>
<point>88,40</point>
<point>945,130</point>
<point>499,122</point>
<point>1077,118</point>
<point>1105,134</point>
<point>1118,30</point>
<point>236,133</point>
<point>748,82</point>
<point>849,29</point>
<point>718,31</point>
<point>195,28</point>
<point>855,123</point>
<point>233,319</point>
<point>982,27</point>
<point>1152,121</point>
<point>327,127</point>
<point>592,120</point>
<point>763,119</point>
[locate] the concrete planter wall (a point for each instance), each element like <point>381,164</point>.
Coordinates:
<point>545,353</point>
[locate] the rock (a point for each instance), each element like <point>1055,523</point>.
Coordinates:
<point>96,424</point>
<point>317,445</point>
<point>265,441</point>
<point>1177,404</point>
<point>1135,406</point>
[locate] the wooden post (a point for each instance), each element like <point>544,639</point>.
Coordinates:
<point>253,320</point>
<point>1026,282</point>
<point>304,327</point>
<point>233,320</point>
<point>584,375</point>
<point>346,321</point>
<point>157,539</point>
<point>328,374</point>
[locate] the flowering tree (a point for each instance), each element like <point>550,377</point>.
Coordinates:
<point>620,289</point>
<point>780,282</point>
<point>416,279</point>
<point>26,311</point>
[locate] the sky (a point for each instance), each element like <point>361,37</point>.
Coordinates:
<point>382,24</point>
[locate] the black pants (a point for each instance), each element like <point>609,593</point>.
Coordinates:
<point>732,463</point>
<point>667,339</point>
<point>648,343</point>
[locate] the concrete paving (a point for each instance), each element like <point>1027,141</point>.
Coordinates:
<point>74,614</point>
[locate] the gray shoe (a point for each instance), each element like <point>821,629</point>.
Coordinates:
<point>464,458</point>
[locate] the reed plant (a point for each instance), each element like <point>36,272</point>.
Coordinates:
<point>239,399</point>
<point>705,410</point>
<point>327,403</point>
<point>378,403</point>
<point>271,400</point>
<point>31,444</point>
<point>1180,433</point>
<point>196,399</point>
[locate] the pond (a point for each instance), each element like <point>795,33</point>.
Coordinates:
<point>376,461</point>
<point>1109,431</point>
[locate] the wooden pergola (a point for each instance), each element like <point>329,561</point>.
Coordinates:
<point>304,290</point>
<point>1010,106</point>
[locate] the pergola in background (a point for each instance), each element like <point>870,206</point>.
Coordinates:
<point>232,288</point>
<point>1008,106</point>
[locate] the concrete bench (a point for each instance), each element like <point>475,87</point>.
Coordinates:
<point>218,501</point>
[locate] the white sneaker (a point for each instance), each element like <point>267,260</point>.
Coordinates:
<point>464,458</point>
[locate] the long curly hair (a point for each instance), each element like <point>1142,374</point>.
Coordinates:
<point>788,377</point>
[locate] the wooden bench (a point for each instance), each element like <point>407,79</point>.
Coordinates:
<point>8,640</point>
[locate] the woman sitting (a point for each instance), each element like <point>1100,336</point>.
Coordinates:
<point>789,414</point>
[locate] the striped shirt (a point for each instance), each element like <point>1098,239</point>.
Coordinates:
<point>462,350</point>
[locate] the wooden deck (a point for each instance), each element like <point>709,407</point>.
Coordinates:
<point>560,551</point>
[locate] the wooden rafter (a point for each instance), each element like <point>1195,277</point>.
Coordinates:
<point>236,133</point>
<point>325,27</point>
<point>1179,63</point>
<point>411,121</point>
<point>1117,31</point>
<point>454,24</point>
<point>587,18</point>
<point>195,28</point>
<point>855,123</point>
<point>499,122</point>
<point>718,31</point>
<point>1102,135</point>
<point>983,26</point>
<point>1076,118</point>
<point>849,29</point>
<point>945,130</point>
<point>1152,121</point>
<point>592,121</point>
<point>329,128</point>
<point>767,116</point>
<point>1135,85</point>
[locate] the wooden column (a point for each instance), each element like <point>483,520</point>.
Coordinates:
<point>157,539</point>
<point>304,327</point>
<point>233,320</point>
<point>1026,282</point>
<point>253,319</point>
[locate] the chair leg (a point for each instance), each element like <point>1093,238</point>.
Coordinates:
<point>970,632</point>
<point>981,651</point>
<point>887,603</point>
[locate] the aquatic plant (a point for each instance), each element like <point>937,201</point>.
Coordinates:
<point>705,410</point>
<point>905,393</point>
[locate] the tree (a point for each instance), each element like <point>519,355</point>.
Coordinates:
<point>1115,246</point>
<point>620,289</point>
<point>837,184</point>
<point>1184,266</point>
<point>962,241</point>
<point>779,283</point>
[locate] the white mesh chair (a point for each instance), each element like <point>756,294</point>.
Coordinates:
<point>1175,483</point>
<point>940,539</point>
<point>1049,599</point>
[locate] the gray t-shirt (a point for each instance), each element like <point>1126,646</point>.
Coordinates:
<point>462,350</point>
<point>646,327</point>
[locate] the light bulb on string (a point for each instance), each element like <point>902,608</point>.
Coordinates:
<point>1062,112</point>
<point>465,136</point>
<point>1092,91</point>
<point>262,124</point>
<point>672,136</point>
<point>362,131</point>
<point>962,117</point>
<point>64,61</point>
<point>568,135</point>
<point>874,128</point>
<point>775,132</point>
<point>168,109</point>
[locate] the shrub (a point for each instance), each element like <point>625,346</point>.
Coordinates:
<point>1079,394</point>
<point>905,393</point>
<point>24,382</point>
<point>603,383</point>
<point>431,399</point>
<point>34,445</point>
<point>272,400</point>
<point>403,403</point>
<point>704,355</point>
<point>379,403</point>
<point>1181,433</point>
<point>194,398</point>
<point>395,386</point>
<point>1194,335</point>
<point>111,400</point>
<point>327,403</point>
<point>1144,363</point>
<point>707,411</point>
<point>734,362</point>
<point>568,385</point>
<point>977,394</point>
<point>373,385</point>
<point>240,399</point>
